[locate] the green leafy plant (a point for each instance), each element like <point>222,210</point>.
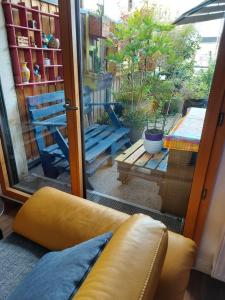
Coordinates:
<point>154,59</point>
<point>198,86</point>
<point>161,94</point>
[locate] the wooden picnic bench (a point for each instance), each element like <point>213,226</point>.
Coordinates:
<point>135,161</point>
<point>48,115</point>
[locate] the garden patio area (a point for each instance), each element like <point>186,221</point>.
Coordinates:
<point>140,83</point>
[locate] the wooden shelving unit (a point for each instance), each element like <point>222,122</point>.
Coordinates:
<point>50,74</point>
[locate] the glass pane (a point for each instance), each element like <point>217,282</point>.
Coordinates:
<point>145,92</point>
<point>33,116</point>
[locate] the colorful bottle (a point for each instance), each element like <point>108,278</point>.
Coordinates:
<point>25,72</point>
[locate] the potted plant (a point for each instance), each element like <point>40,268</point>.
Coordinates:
<point>141,41</point>
<point>147,47</point>
<point>160,92</point>
<point>135,108</point>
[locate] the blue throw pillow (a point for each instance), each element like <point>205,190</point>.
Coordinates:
<point>58,275</point>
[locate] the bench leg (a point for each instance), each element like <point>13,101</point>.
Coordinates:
<point>110,161</point>
<point>124,172</point>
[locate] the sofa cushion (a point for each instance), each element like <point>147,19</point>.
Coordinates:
<point>59,274</point>
<point>130,266</point>
<point>18,256</point>
<point>57,220</point>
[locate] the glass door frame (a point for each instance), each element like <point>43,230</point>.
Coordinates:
<point>72,96</point>
<point>201,190</point>
<point>68,9</point>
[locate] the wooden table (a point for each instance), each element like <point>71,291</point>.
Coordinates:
<point>186,135</point>
<point>173,168</point>
<point>183,144</point>
<point>135,161</point>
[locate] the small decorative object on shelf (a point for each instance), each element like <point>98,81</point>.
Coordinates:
<point>44,40</point>
<point>32,42</point>
<point>47,62</point>
<point>53,42</point>
<point>25,73</point>
<point>32,24</point>
<point>23,41</point>
<point>37,73</point>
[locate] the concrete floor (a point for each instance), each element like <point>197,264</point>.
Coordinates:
<point>137,190</point>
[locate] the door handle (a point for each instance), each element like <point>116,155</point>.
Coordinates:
<point>67,106</point>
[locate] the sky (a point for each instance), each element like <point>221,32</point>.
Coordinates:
<point>113,7</point>
<point>113,10</point>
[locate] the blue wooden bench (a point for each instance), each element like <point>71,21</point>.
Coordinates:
<point>101,142</point>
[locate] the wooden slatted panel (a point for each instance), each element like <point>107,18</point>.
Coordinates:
<point>156,160</point>
<point>163,165</point>
<point>95,132</point>
<point>135,156</point>
<point>45,98</point>
<point>47,111</point>
<point>90,128</point>
<point>105,144</point>
<point>142,161</point>
<point>129,151</point>
<point>92,141</point>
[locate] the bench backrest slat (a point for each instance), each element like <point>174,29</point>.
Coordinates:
<point>38,113</point>
<point>45,98</point>
<point>45,106</point>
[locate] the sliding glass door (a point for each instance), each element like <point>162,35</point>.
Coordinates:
<point>40,116</point>
<point>146,96</point>
<point>122,101</point>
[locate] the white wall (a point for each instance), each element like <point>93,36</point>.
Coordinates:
<point>10,98</point>
<point>214,228</point>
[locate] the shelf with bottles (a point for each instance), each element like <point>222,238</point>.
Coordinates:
<point>29,45</point>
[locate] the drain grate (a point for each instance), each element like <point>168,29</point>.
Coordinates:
<point>173,223</point>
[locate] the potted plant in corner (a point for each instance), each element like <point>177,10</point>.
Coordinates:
<point>141,41</point>
<point>196,90</point>
<point>161,93</point>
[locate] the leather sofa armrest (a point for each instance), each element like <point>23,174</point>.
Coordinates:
<point>57,220</point>
<point>176,269</point>
<point>129,268</point>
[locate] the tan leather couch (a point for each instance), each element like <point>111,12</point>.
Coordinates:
<point>142,260</point>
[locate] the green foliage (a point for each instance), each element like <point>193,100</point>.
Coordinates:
<point>161,94</point>
<point>155,59</point>
<point>136,119</point>
<point>104,119</point>
<point>198,86</point>
<point>138,37</point>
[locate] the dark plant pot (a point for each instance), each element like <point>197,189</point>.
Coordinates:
<point>153,135</point>
<point>199,103</point>
<point>135,134</point>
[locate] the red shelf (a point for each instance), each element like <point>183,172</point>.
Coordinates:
<point>53,66</point>
<point>18,6</point>
<point>22,27</point>
<point>17,18</point>
<point>40,83</point>
<point>35,48</point>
